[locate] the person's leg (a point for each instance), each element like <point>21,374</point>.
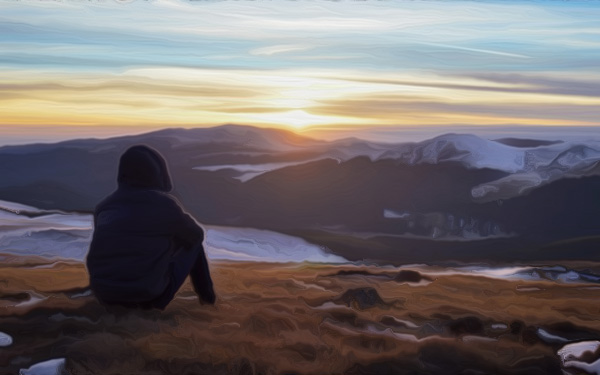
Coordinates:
<point>191,261</point>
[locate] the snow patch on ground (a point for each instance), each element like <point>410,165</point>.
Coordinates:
<point>68,235</point>
<point>50,367</point>
<point>571,356</point>
<point>5,340</point>
<point>262,245</point>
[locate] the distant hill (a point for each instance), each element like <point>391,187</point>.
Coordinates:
<point>454,196</point>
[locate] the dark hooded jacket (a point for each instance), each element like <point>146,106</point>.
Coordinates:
<point>137,229</point>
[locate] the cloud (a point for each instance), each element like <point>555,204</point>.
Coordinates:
<point>478,50</point>
<point>377,61</point>
<point>516,83</point>
<point>282,48</point>
<point>403,109</point>
<point>590,86</point>
<point>135,87</point>
<point>377,35</point>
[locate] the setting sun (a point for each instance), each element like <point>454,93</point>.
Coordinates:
<point>296,119</point>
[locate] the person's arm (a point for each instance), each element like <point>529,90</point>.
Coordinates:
<point>183,226</point>
<point>186,229</point>
<point>202,281</point>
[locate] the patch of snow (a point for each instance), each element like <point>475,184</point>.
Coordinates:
<point>65,235</point>
<point>17,207</point>
<point>550,338</point>
<point>34,299</point>
<point>51,367</point>
<point>391,214</point>
<point>495,272</point>
<point>86,293</point>
<point>262,245</point>
<point>577,349</point>
<point>331,306</point>
<point>5,340</point>
<point>571,354</point>
<point>555,273</point>
<point>68,236</point>
<point>372,329</point>
<point>407,323</point>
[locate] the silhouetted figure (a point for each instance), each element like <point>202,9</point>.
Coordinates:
<point>144,244</point>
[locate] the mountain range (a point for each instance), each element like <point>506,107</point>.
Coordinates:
<point>456,197</point>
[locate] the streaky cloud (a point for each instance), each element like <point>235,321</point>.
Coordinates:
<point>479,50</point>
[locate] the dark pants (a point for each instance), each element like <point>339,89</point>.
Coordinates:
<point>188,262</point>
<point>185,261</point>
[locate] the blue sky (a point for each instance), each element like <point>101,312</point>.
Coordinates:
<point>297,64</point>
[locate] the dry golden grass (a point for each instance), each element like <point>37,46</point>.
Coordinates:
<point>277,319</point>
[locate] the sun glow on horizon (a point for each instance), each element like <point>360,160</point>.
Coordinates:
<point>400,64</point>
<point>296,119</point>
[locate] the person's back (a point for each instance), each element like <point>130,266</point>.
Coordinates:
<point>144,244</point>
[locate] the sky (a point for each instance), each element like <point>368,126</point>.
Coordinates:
<point>73,68</point>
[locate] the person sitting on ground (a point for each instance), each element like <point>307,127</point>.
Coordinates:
<point>144,244</point>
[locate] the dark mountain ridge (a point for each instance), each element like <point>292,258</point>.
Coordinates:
<point>347,195</point>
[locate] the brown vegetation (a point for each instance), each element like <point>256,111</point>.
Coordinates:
<point>295,319</point>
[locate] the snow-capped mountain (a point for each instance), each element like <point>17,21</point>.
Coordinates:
<point>452,193</point>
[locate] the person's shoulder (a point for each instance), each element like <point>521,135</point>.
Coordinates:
<point>162,195</point>
<point>124,196</point>
<point>164,198</point>
<point>108,200</point>
<point>160,201</point>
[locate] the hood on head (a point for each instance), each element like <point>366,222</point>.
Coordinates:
<point>143,167</point>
